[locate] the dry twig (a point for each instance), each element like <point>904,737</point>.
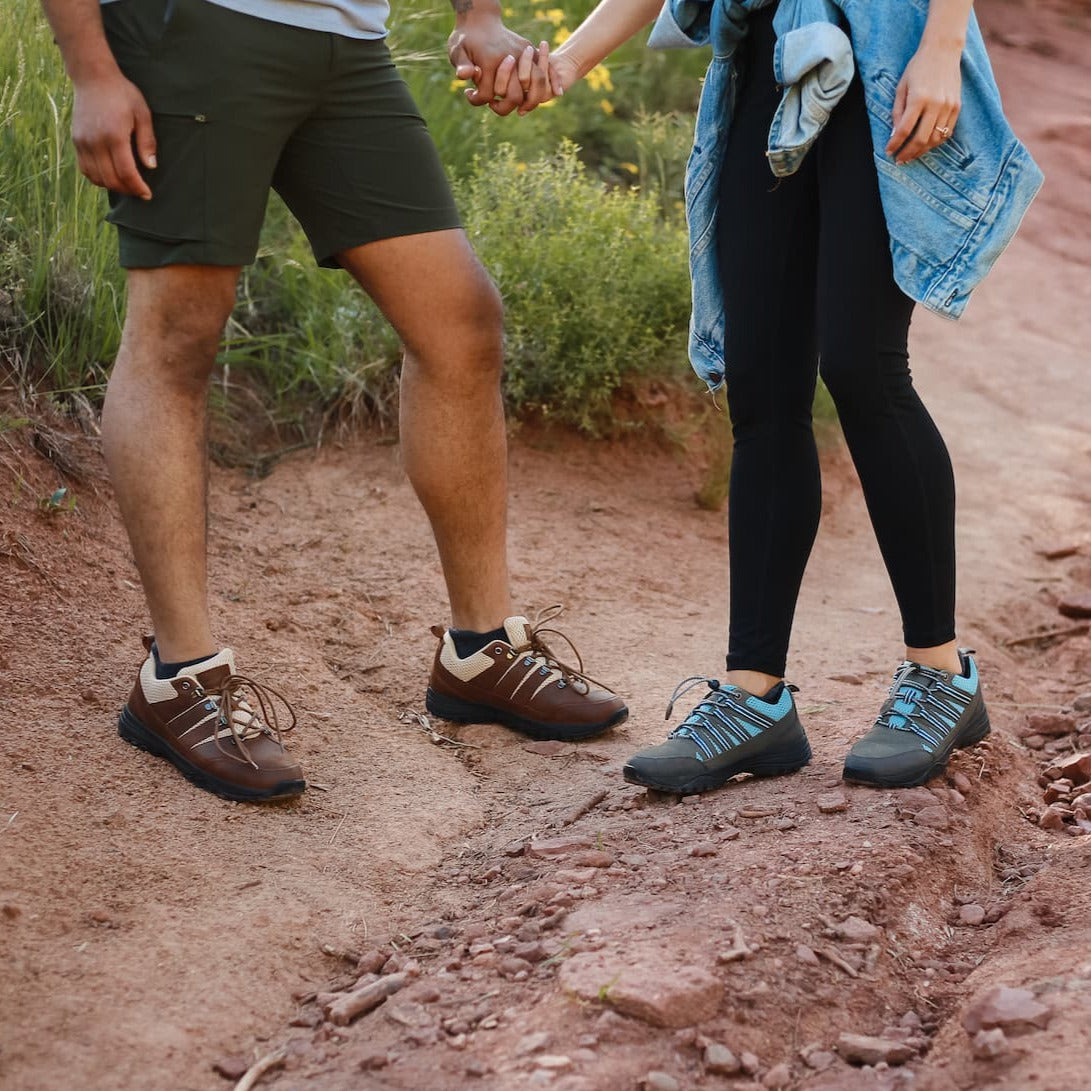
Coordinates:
<point>259,1068</point>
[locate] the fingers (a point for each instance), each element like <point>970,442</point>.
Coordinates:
<point>539,88</point>
<point>507,92</point>
<point>904,119</point>
<point>144,137</point>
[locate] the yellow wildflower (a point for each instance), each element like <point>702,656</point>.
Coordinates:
<point>599,78</point>
<point>607,106</point>
<point>563,33</point>
<point>457,85</point>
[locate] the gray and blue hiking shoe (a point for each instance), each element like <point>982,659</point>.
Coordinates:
<point>928,714</point>
<point>728,733</point>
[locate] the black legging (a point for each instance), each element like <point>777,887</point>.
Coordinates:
<point>808,288</point>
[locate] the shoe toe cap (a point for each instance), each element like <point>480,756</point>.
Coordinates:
<point>675,760</point>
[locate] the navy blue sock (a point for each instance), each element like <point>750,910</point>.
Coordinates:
<point>467,641</point>
<point>170,670</point>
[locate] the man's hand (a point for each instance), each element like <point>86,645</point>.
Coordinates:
<point>477,47</point>
<point>109,115</point>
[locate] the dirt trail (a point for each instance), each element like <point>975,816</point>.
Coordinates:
<point>148,931</point>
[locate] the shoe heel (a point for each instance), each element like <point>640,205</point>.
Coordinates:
<point>786,760</point>
<point>975,730</point>
<point>454,709</point>
<point>134,732</point>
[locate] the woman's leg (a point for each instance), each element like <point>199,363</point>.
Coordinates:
<point>768,242</point>
<point>863,327</point>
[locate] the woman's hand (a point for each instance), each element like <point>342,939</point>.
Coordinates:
<point>927,102</point>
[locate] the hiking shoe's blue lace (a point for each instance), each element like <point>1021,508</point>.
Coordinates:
<point>925,701</point>
<point>726,717</point>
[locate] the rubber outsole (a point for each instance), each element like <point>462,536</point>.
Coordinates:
<point>771,765</point>
<point>135,733</point>
<point>976,730</point>
<point>467,712</point>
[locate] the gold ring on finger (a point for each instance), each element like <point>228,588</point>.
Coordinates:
<point>943,131</point>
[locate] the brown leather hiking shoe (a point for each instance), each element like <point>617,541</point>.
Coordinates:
<point>520,683</point>
<point>202,724</point>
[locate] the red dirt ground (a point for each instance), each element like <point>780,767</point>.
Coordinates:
<point>149,931</point>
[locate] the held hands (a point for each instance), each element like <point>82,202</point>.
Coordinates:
<point>927,102</point>
<point>110,116</point>
<point>507,72</point>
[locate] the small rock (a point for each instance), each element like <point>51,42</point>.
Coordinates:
<point>778,1077</point>
<point>1052,819</point>
<point>532,1043</point>
<point>833,803</point>
<point>547,749</point>
<point>988,1044</point>
<point>1076,604</point>
<point>1075,767</point>
<point>646,986</point>
<point>806,955</point>
<point>548,848</point>
<point>818,1059</point>
<point>1034,742</point>
<point>864,1049</point>
<point>1082,703</point>
<point>704,848</point>
<point>555,1062</point>
<point>848,679</point>
<point>962,782</point>
<point>971,914</point>
<point>757,812</point>
<point>661,1081</point>
<point>933,818</point>
<point>1058,552</point>
<point>720,1060</point>
<point>593,858</point>
<point>750,1064</point>
<point>1050,724</point>
<point>231,1068</point>
<point>371,962</point>
<point>475,1069</point>
<point>785,824</point>
<point>10,911</point>
<point>372,1062</point>
<point>857,930</point>
<point>1015,1011</point>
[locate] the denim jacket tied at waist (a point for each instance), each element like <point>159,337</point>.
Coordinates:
<point>950,213</point>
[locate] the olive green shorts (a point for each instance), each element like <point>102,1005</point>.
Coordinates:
<point>241,105</point>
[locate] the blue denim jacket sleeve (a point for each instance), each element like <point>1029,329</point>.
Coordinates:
<point>950,213</point>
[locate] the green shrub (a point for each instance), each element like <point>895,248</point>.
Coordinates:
<point>595,281</point>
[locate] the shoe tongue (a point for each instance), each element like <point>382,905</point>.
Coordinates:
<point>210,672</point>
<point>518,630</point>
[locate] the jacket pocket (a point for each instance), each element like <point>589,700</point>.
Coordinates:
<point>946,162</point>
<point>178,208</point>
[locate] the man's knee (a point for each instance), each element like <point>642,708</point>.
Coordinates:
<point>176,318</point>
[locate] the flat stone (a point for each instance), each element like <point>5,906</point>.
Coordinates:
<point>806,955</point>
<point>933,818</point>
<point>1076,767</point>
<point>857,930</point>
<point>832,802</point>
<point>1082,703</point>
<point>551,847</point>
<point>645,985</point>
<point>1050,724</point>
<point>1052,819</point>
<point>557,1062</point>
<point>962,782</point>
<point>231,1068</point>
<point>1015,1011</point>
<point>1076,604</point>
<point>661,1081</point>
<point>864,1049</point>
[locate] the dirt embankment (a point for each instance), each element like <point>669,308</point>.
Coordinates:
<point>557,927</point>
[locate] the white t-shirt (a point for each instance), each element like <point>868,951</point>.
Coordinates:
<point>353,18</point>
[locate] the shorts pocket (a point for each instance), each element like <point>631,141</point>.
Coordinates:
<point>136,28</point>
<point>178,209</point>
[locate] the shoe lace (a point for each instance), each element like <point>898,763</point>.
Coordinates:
<point>238,715</point>
<point>697,725</point>
<point>909,692</point>
<point>537,649</point>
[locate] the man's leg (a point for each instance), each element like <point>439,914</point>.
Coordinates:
<point>434,292</point>
<point>154,438</point>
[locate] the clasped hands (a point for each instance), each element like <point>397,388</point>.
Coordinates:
<point>507,72</point>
